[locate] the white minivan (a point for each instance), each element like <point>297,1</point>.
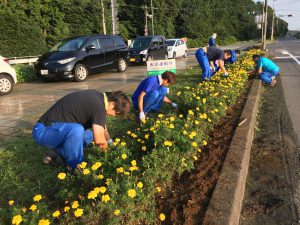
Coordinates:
<point>8,77</point>
<point>176,48</point>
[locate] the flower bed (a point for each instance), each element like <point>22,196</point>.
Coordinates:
<point>119,186</point>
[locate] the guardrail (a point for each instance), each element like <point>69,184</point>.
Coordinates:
<point>23,60</point>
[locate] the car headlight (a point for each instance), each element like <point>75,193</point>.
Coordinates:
<point>144,52</point>
<point>64,61</point>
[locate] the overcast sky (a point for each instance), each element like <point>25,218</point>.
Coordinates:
<point>286,7</point>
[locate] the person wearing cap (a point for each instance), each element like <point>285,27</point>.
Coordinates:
<point>266,69</point>
<point>207,58</point>
<point>151,93</point>
<point>65,127</point>
<point>212,40</point>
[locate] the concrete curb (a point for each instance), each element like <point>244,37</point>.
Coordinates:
<point>227,199</point>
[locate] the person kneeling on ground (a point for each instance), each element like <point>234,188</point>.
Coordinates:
<point>233,58</point>
<point>207,57</point>
<point>65,126</point>
<point>266,70</point>
<point>151,93</point>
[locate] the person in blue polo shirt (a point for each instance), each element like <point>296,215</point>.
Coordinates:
<point>212,40</point>
<point>207,58</point>
<point>151,93</point>
<point>266,69</point>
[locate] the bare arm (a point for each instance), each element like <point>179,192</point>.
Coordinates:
<point>211,63</point>
<point>221,65</point>
<point>168,101</point>
<point>106,133</point>
<point>141,101</point>
<point>99,136</point>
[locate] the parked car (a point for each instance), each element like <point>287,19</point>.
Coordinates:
<point>8,77</point>
<point>176,48</point>
<point>147,48</point>
<point>80,56</point>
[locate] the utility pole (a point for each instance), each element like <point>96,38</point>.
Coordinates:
<point>152,16</point>
<point>265,25</point>
<point>146,22</point>
<point>273,21</point>
<point>112,5</point>
<point>103,18</point>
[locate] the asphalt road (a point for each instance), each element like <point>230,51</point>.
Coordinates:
<point>21,109</point>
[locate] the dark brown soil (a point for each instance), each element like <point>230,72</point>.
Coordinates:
<point>272,179</point>
<point>187,198</point>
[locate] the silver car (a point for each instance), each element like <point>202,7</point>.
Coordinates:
<point>8,77</point>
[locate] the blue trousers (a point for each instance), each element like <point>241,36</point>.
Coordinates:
<point>266,77</point>
<point>153,100</point>
<point>204,64</point>
<point>68,139</point>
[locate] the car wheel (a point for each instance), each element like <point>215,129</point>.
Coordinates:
<point>80,72</point>
<point>174,55</point>
<point>6,84</point>
<point>122,65</point>
<point>185,54</point>
<point>149,58</point>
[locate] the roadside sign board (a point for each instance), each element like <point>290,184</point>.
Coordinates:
<point>157,67</point>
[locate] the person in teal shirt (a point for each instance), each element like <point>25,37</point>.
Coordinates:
<point>266,69</point>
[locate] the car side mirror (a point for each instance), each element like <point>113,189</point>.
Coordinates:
<point>90,47</point>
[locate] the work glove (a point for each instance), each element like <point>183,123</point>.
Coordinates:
<point>174,105</point>
<point>110,141</point>
<point>142,116</point>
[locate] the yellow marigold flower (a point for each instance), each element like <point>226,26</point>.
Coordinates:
<point>133,168</point>
<point>100,176</point>
<point>140,185</point>
<point>209,120</point>
<point>102,189</point>
<point>144,148</point>
<point>75,205</point>
<point>11,202</point>
<point>127,173</point>
<point>24,210</point>
<point>117,212</point>
<point>133,162</point>
<point>171,126</point>
<point>123,143</point>
<point>184,132</point>
<point>92,194</point>
<point>162,217</point>
<point>196,122</point>
<point>204,100</point>
<point>216,110</point>
<point>191,112</point>
<point>204,115</point>
<point>124,156</point>
<point>67,208</point>
<point>117,140</point>
<point>86,171</point>
<point>78,212</point>
<point>105,198</point>
<point>56,214</point>
<point>199,150</point>
<point>120,170</point>
<point>133,135</point>
<point>108,180</point>
<point>44,222</point>
<point>96,165</point>
<point>61,176</point>
<point>139,140</point>
<point>180,116</point>
<point>172,118</point>
<point>160,115</point>
<point>204,142</point>
<point>128,132</point>
<point>158,189</point>
<point>82,165</point>
<point>17,219</point>
<point>131,193</point>
<point>37,198</point>
<point>33,207</point>
<point>195,158</point>
<point>168,143</point>
<point>146,136</point>
<point>194,144</point>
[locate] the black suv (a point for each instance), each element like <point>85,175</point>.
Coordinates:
<point>80,56</point>
<point>148,48</point>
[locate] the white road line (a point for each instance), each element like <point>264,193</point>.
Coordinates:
<point>286,57</point>
<point>285,52</point>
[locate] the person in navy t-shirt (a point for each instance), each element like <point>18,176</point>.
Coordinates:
<point>151,93</point>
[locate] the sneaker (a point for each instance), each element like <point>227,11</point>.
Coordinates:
<point>273,83</point>
<point>52,158</point>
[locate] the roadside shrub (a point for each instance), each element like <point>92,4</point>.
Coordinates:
<point>25,73</point>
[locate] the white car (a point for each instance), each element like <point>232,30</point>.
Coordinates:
<point>176,48</point>
<point>8,77</point>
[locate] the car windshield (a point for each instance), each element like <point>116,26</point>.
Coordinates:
<point>69,45</point>
<point>141,43</point>
<point>170,43</point>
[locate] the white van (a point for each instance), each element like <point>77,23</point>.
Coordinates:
<point>8,77</point>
